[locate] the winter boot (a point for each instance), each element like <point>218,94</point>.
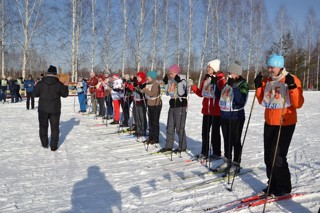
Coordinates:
<point>224,166</point>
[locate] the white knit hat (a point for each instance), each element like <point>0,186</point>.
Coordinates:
<point>214,64</point>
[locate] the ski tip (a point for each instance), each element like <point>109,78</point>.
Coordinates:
<point>188,161</point>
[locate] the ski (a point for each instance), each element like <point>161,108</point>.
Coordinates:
<point>251,201</point>
<point>164,153</point>
<point>202,174</point>
<point>216,179</point>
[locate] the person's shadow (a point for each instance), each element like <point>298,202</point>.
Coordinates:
<point>65,129</point>
<point>94,194</point>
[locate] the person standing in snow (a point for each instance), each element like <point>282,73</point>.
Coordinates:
<point>107,95</point>
<point>82,94</point>
<point>29,86</point>
<point>210,90</point>
<point>153,95</point>
<point>233,99</point>
<point>281,94</point>
<point>3,89</point>
<point>176,88</point>
<point>117,95</point>
<point>92,82</point>
<point>50,90</point>
<point>100,95</point>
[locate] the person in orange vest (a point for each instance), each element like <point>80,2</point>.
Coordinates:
<point>281,95</point>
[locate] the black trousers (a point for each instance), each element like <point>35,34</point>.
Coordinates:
<point>30,96</point>
<point>154,118</point>
<point>232,130</point>
<point>281,178</point>
<point>44,120</point>
<point>213,123</point>
<point>125,105</point>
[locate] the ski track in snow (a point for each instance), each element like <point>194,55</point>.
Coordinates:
<point>97,170</point>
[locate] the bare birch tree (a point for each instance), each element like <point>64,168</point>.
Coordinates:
<point>73,58</point>
<point>77,40</point>
<point>250,39</point>
<point>124,34</point>
<point>190,37</point>
<point>2,38</point>
<point>204,47</point>
<point>93,35</point>
<point>179,30</point>
<point>165,38</point>
<point>140,33</point>
<point>217,7</point>
<point>155,7</point>
<point>107,35</point>
<point>27,16</point>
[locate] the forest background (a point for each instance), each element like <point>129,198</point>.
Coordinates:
<point>126,36</point>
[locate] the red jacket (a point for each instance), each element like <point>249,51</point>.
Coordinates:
<point>100,91</point>
<point>92,82</point>
<point>208,107</point>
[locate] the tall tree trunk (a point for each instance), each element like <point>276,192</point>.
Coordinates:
<point>179,31</point>
<point>154,33</point>
<point>140,34</point>
<point>2,38</point>
<point>73,58</point>
<point>204,43</point>
<point>107,35</point>
<point>217,26</point>
<point>77,40</point>
<point>124,34</point>
<point>189,39</point>
<point>93,34</point>
<point>250,40</point>
<point>26,40</point>
<point>318,63</point>
<point>165,39</point>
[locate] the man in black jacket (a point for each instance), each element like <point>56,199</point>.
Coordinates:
<point>49,90</point>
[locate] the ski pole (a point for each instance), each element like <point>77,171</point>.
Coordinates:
<point>276,149</point>
<point>244,137</point>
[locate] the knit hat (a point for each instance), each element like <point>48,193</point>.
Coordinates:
<point>235,69</point>
<point>175,69</point>
<point>142,75</point>
<point>115,77</point>
<point>52,70</point>
<point>214,64</point>
<point>127,77</point>
<point>152,74</point>
<point>101,76</point>
<point>276,60</point>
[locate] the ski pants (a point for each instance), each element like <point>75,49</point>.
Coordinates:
<point>101,106</point>
<point>176,122</point>
<point>30,96</point>
<point>44,119</point>
<point>140,117</point>
<point>281,178</point>
<point>213,123</point>
<point>154,125</point>
<point>108,100</point>
<point>125,105</point>
<point>232,130</point>
<point>116,108</point>
<point>82,101</point>
<point>93,102</point>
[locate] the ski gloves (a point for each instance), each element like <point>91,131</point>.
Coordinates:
<point>289,80</point>
<point>213,78</point>
<point>258,81</point>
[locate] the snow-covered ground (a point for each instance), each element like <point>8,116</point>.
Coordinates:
<point>95,171</point>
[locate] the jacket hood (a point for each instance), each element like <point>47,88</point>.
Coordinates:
<point>50,80</point>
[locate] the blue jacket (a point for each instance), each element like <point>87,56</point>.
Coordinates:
<point>29,85</point>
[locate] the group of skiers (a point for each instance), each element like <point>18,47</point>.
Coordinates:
<point>224,96</point>
<point>14,86</point>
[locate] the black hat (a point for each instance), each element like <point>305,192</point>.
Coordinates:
<point>52,70</point>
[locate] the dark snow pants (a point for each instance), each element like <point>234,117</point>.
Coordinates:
<point>213,123</point>
<point>140,118</point>
<point>154,126</point>
<point>281,178</point>
<point>44,119</point>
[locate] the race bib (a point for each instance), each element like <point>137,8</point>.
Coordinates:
<point>226,98</point>
<point>274,94</point>
<point>208,89</point>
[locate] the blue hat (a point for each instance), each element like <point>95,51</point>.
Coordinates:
<point>276,60</point>
<point>152,74</point>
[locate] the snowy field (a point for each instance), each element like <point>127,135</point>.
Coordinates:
<point>95,171</point>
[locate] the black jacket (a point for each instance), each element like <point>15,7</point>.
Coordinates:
<point>49,90</point>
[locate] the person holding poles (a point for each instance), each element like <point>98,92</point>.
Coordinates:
<point>281,95</point>
<point>232,102</point>
<point>210,90</point>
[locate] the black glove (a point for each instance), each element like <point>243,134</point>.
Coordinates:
<point>206,76</point>
<point>135,84</point>
<point>135,79</point>
<point>165,79</point>
<point>177,78</point>
<point>214,80</point>
<point>290,81</point>
<point>258,81</point>
<point>231,81</point>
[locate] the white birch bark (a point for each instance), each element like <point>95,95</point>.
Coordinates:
<point>140,34</point>
<point>2,38</point>
<point>204,43</point>
<point>250,40</point>
<point>154,33</point>
<point>217,26</point>
<point>77,40</point>
<point>107,35</point>
<point>179,31</point>
<point>74,13</point>
<point>189,37</point>
<point>124,35</point>
<point>165,39</point>
<point>93,35</point>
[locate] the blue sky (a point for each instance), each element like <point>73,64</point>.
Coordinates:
<point>297,9</point>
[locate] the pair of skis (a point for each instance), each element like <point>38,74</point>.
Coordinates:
<point>252,201</point>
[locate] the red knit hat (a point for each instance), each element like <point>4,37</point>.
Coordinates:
<point>101,76</point>
<point>175,69</point>
<point>143,76</point>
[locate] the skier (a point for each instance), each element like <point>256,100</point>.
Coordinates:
<point>82,94</point>
<point>176,88</point>
<point>210,90</point>
<point>92,82</point>
<point>100,95</point>
<point>107,95</point>
<point>272,92</point>
<point>153,95</point>
<point>29,86</point>
<point>117,95</point>
<point>49,90</point>
<point>232,102</point>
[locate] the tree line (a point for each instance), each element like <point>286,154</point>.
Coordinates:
<point>126,36</point>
